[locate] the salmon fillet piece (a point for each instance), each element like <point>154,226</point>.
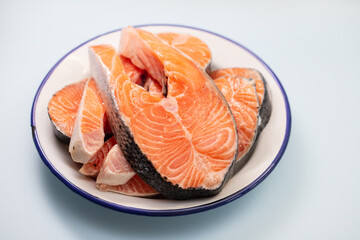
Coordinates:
<point>115,169</point>
<point>134,187</point>
<point>93,166</point>
<point>191,46</point>
<point>88,134</point>
<point>241,95</point>
<point>261,89</point>
<point>63,107</point>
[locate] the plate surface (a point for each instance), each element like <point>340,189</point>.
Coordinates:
<point>74,66</point>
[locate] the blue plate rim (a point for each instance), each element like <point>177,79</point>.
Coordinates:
<point>169,212</point>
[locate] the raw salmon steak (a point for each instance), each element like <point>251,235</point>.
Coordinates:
<point>182,143</point>
<point>134,187</point>
<point>191,46</point>
<point>241,95</point>
<point>115,169</point>
<point>93,166</point>
<point>63,107</point>
<point>88,134</point>
<point>261,89</point>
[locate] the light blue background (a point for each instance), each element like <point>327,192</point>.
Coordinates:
<point>312,46</point>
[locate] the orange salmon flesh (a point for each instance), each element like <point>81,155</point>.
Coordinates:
<point>178,131</point>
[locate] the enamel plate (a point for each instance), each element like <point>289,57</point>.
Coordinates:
<point>74,66</point>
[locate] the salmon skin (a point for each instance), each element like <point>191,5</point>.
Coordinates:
<point>261,89</point>
<point>183,144</point>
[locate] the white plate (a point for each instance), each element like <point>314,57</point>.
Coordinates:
<point>226,53</point>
